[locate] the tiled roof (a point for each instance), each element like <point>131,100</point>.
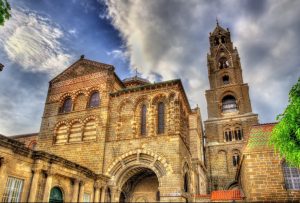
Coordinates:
<point>226,195</point>
<point>259,137</point>
<point>24,135</point>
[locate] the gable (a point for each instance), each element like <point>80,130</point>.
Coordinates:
<point>80,68</point>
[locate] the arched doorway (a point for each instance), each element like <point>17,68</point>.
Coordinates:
<point>140,185</point>
<point>56,195</point>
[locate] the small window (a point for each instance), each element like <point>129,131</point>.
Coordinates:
<point>161,118</point>
<point>216,41</point>
<point>13,190</point>
<point>67,105</point>
<point>291,177</point>
<point>238,134</point>
<point>225,79</point>
<point>56,195</point>
<point>86,197</point>
<point>228,135</point>
<point>235,159</point>
<point>94,100</point>
<point>143,119</point>
<point>186,183</point>
<point>223,63</point>
<point>229,104</point>
<point>223,40</point>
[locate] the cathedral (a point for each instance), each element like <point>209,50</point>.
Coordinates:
<point>103,139</point>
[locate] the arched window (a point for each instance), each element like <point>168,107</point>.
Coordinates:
<point>291,177</point>
<point>216,41</point>
<point>161,118</point>
<point>223,63</point>
<point>67,105</point>
<point>235,159</point>
<point>225,79</point>
<point>238,134</point>
<point>186,183</point>
<point>56,195</point>
<point>228,135</point>
<point>229,104</point>
<point>223,39</point>
<point>143,119</point>
<point>94,100</point>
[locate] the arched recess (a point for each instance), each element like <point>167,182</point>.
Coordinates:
<point>75,134</point>
<point>232,185</point>
<point>61,132</point>
<point>125,124</point>
<point>137,169</point>
<point>80,100</point>
<point>90,129</point>
<point>56,195</point>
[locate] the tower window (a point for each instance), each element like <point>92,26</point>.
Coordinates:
<point>94,100</point>
<point>228,135</point>
<point>161,118</point>
<point>223,40</point>
<point>238,134</point>
<point>143,119</point>
<point>186,183</point>
<point>291,177</point>
<point>216,41</point>
<point>235,159</point>
<point>223,63</point>
<point>67,105</point>
<point>225,79</point>
<point>229,104</point>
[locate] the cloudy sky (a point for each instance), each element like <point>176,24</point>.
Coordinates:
<point>164,39</point>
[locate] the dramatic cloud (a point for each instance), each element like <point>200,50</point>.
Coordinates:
<point>169,39</point>
<point>33,41</point>
<point>32,52</point>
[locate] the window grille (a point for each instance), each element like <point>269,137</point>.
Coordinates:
<point>12,190</point>
<point>161,118</point>
<point>143,120</point>
<point>292,177</point>
<point>94,100</point>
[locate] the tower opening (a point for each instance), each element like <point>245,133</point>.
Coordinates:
<point>229,104</point>
<point>225,79</point>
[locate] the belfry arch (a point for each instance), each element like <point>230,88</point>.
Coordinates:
<point>137,176</point>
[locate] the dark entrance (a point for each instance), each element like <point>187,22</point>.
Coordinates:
<point>56,195</point>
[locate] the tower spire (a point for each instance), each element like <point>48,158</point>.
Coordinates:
<point>217,21</point>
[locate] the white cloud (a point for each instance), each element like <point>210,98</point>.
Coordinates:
<point>34,42</point>
<point>118,54</point>
<point>169,39</point>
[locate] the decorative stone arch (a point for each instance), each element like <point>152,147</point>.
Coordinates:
<point>123,103</point>
<point>186,171</point>
<point>172,96</point>
<point>160,97</point>
<point>224,52</point>
<point>232,185</point>
<point>56,128</point>
<point>139,100</point>
<point>60,189</point>
<point>60,123</point>
<point>64,96</point>
<point>138,158</point>
<point>125,127</point>
<point>78,92</point>
<point>87,119</point>
<point>226,94</point>
<point>92,90</point>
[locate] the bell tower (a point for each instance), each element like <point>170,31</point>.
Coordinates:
<point>229,110</point>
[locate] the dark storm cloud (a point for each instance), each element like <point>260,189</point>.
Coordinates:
<point>170,39</point>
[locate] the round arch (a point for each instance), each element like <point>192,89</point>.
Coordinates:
<point>56,195</point>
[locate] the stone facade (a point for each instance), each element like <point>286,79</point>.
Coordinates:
<point>261,174</point>
<point>229,111</point>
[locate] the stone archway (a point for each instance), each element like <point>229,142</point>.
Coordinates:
<point>140,184</point>
<point>136,170</point>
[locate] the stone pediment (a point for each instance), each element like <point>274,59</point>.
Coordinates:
<point>80,68</point>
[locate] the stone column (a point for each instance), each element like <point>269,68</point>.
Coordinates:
<point>34,185</point>
<point>115,194</point>
<point>81,192</point>
<point>97,194</point>
<point>75,190</point>
<point>103,194</point>
<point>48,187</point>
